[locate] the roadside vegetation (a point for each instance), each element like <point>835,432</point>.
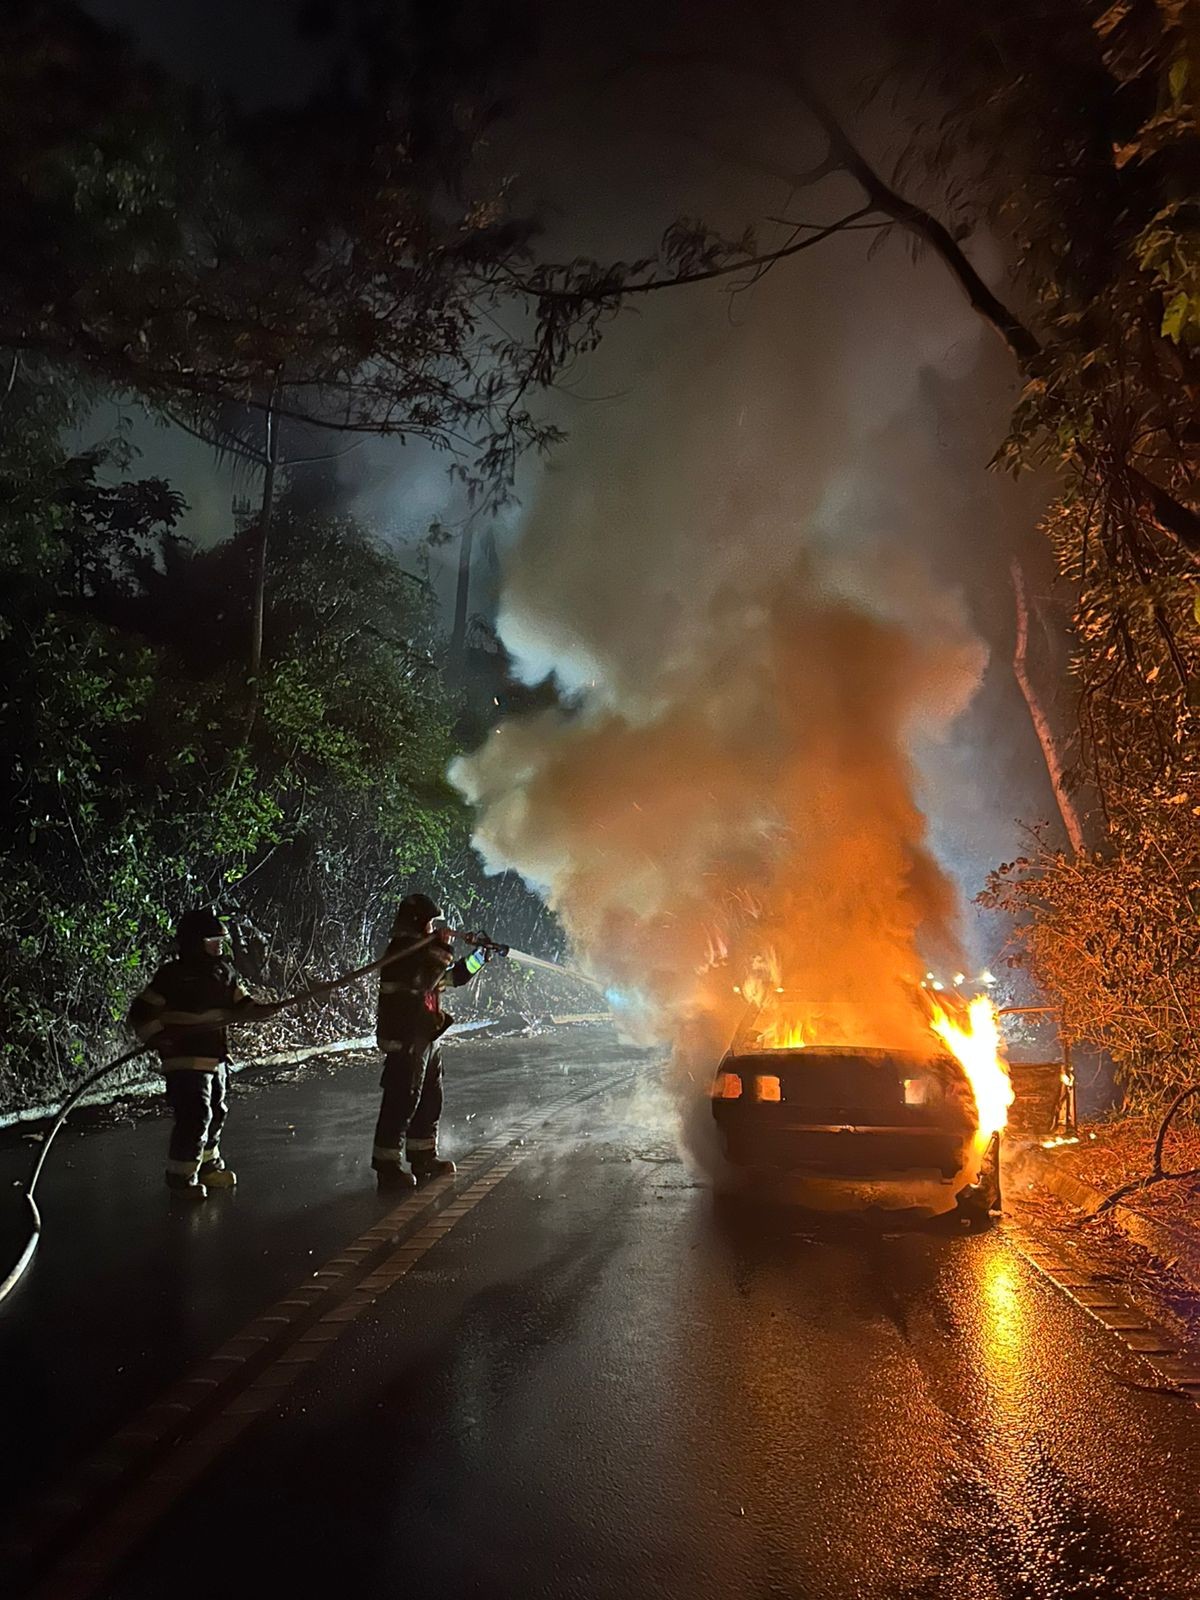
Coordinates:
<point>264,723</point>
<point>134,783</point>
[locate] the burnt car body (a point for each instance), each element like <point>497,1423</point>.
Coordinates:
<point>855,1129</point>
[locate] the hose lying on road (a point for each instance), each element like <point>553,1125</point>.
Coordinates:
<point>318,992</point>
<point>35,1216</point>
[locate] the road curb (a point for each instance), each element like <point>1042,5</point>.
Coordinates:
<point>1143,1336</point>
<point>1174,1247</point>
<point>146,1086</point>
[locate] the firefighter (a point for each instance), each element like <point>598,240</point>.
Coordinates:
<point>182,1013</point>
<point>411,1021</point>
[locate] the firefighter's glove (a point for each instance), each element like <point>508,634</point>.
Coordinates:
<point>488,947</point>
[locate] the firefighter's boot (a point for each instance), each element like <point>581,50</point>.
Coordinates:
<point>214,1174</point>
<point>427,1164</point>
<point>187,1186</point>
<point>392,1177</point>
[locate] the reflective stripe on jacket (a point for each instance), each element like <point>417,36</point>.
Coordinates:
<point>182,1011</point>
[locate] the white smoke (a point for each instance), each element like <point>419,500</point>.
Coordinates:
<point>745,673</point>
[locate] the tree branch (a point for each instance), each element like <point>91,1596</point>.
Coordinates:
<point>1177,520</point>
<point>1180,521</point>
<point>1020,340</point>
<point>765,168</point>
<point>615,289</point>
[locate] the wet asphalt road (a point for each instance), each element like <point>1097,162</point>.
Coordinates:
<point>588,1382</point>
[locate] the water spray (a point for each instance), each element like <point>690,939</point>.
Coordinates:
<point>522,957</point>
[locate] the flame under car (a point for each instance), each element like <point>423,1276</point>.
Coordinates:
<point>841,1128</point>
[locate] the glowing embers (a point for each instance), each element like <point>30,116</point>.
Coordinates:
<point>976,1046</point>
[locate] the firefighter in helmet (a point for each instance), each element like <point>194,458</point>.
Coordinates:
<point>411,1021</point>
<point>183,1013</point>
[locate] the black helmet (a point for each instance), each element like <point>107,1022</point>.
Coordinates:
<point>197,925</point>
<point>415,910</point>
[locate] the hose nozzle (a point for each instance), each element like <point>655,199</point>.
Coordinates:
<point>481,941</point>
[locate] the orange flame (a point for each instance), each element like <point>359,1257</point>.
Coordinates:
<point>763,980</point>
<point>971,1034</point>
<point>977,1048</point>
<point>784,1035</point>
<point>760,988</point>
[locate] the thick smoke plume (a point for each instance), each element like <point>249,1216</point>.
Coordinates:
<point>728,785</point>
<point>754,800</point>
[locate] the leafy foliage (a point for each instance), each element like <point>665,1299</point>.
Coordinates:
<point>336,265</point>
<point>128,786</point>
<point>1114,939</point>
<point>1104,240</point>
<point>337,254</point>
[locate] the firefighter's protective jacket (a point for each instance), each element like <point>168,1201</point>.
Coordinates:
<point>410,1015</point>
<point>182,1012</point>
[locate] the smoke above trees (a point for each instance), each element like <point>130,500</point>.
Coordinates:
<point>761,647</point>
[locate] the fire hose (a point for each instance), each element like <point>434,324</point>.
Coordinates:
<point>270,1009</point>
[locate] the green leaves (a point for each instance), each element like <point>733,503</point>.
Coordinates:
<point>1181,319</point>
<point>200,257</point>
<point>128,778</point>
<point>1168,250</point>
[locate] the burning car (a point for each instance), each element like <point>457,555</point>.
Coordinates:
<point>852,1127</point>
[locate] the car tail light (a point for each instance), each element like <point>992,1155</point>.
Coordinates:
<point>728,1086</point>
<point>767,1087</point>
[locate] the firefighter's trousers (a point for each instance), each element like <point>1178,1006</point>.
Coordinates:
<point>200,1106</point>
<point>412,1103</point>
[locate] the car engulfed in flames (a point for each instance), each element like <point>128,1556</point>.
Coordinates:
<point>806,1117</point>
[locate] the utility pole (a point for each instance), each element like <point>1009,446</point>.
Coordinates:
<point>259,580</point>
<point>458,638</point>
